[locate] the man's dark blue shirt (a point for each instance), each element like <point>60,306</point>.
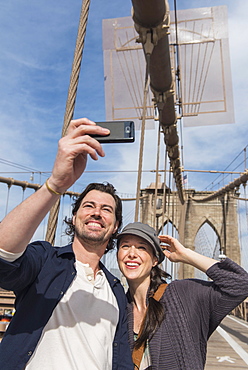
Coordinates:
<point>39,278</point>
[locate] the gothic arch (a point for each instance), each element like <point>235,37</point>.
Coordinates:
<point>207,240</point>
<point>212,225</point>
<point>168,221</point>
<point>189,217</point>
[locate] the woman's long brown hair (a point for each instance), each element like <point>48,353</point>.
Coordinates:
<point>155,312</point>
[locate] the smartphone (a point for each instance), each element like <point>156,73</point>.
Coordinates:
<point>120,132</point>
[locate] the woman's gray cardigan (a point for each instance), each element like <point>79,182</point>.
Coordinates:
<point>193,310</point>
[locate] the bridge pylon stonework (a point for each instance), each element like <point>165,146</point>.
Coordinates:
<point>159,205</point>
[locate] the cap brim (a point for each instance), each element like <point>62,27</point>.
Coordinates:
<point>159,254</point>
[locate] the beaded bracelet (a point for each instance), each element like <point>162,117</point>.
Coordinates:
<point>51,190</point>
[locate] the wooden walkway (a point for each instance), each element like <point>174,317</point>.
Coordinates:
<point>228,346</point>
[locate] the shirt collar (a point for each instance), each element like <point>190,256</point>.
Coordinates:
<point>64,250</point>
<point>68,249</point>
<point>111,278</point>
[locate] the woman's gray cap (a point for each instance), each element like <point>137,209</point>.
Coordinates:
<point>146,232</point>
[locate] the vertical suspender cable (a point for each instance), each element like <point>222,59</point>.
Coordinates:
<point>142,139</point>
<point>164,205</point>
<point>156,180</point>
<point>7,202</point>
<point>240,231</point>
<point>169,201</point>
<point>224,208</point>
<point>246,206</point>
<point>178,74</point>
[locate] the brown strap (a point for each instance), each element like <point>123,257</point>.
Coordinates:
<point>138,352</point>
<point>159,292</point>
<point>137,355</point>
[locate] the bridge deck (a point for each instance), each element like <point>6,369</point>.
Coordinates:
<point>228,346</point>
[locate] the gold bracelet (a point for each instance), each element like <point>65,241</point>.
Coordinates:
<point>51,190</point>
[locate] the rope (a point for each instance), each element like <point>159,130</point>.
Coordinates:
<point>70,105</point>
<point>72,92</point>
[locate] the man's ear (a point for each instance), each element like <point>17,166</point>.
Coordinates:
<point>73,219</point>
<point>116,227</point>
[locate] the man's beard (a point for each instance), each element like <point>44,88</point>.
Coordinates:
<point>90,236</point>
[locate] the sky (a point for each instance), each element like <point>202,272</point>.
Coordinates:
<point>37,41</point>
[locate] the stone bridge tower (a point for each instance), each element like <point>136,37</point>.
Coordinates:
<point>219,213</point>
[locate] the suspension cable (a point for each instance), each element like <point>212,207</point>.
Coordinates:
<point>70,105</point>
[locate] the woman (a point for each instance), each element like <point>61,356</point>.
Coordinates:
<point>174,329</point>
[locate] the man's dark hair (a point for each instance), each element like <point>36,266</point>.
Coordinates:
<point>105,188</point>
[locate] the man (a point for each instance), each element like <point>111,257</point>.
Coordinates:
<point>70,311</point>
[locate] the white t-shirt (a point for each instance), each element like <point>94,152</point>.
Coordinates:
<point>80,332</point>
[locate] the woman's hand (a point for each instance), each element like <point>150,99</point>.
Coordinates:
<point>176,252</point>
<point>172,249</point>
